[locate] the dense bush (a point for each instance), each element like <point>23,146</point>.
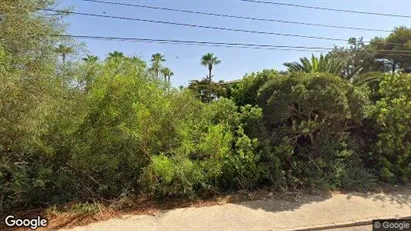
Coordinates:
<point>245,91</point>
<point>115,130</point>
<point>194,165</point>
<point>124,132</point>
<point>308,118</point>
<point>393,120</point>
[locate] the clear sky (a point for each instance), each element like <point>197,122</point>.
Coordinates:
<point>184,61</point>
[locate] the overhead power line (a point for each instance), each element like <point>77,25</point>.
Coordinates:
<point>201,26</point>
<point>209,27</point>
<point>201,43</point>
<point>327,9</point>
<point>237,16</point>
<point>220,44</point>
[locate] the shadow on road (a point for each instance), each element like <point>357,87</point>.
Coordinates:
<point>285,204</point>
<point>401,195</point>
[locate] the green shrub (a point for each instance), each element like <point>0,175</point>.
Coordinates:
<point>308,118</point>
<point>193,169</point>
<point>245,91</point>
<point>351,174</point>
<point>392,114</point>
<point>243,168</point>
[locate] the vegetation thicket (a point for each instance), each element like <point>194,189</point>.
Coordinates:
<point>89,129</point>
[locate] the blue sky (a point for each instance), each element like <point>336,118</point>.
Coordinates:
<point>184,60</point>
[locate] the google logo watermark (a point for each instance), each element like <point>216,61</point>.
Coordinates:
<point>32,223</point>
<point>401,225</point>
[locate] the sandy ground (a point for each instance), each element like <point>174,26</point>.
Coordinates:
<point>269,214</point>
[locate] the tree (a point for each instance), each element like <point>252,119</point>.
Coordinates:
<point>359,59</point>
<point>31,94</point>
<point>245,91</point>
<point>115,55</point>
<point>20,21</point>
<point>209,60</point>
<point>90,59</point>
<point>139,62</point>
<point>91,69</point>
<point>205,91</point>
<point>167,73</point>
<point>307,118</point>
<point>391,49</point>
<point>323,64</point>
<point>64,51</point>
<point>156,60</point>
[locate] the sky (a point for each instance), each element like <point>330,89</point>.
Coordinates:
<point>184,60</point>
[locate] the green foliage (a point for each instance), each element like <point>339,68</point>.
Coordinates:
<point>358,57</point>
<point>245,91</point>
<point>30,90</point>
<point>206,91</point>
<point>209,60</point>
<point>389,49</point>
<point>308,118</point>
<point>167,73</point>
<point>351,174</point>
<point>323,64</point>
<point>393,118</point>
<point>371,81</point>
<point>243,169</point>
<point>194,166</point>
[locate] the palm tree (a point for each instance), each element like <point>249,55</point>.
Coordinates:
<point>91,70</point>
<point>64,51</point>
<point>156,60</point>
<point>115,55</point>
<point>90,59</point>
<point>209,60</point>
<point>167,74</point>
<point>323,64</point>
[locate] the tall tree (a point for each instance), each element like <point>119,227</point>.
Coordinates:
<point>156,60</point>
<point>391,49</point>
<point>20,22</point>
<point>359,58</point>
<point>30,95</point>
<point>64,51</point>
<point>167,73</point>
<point>91,69</point>
<point>209,60</point>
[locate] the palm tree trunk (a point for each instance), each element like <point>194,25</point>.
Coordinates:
<point>209,82</point>
<point>394,65</point>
